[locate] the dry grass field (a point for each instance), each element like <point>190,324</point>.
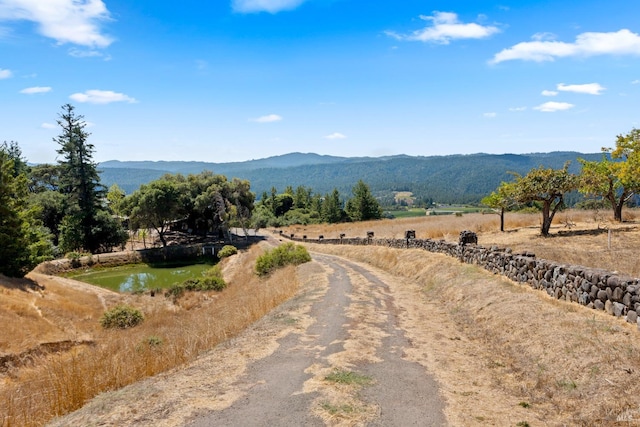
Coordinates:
<point>577,237</point>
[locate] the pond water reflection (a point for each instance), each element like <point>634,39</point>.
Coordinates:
<point>140,277</point>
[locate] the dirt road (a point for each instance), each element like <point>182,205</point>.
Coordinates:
<point>355,311</point>
<point>333,355</point>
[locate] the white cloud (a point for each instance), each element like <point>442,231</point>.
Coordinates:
<point>517,108</point>
<point>36,89</point>
<point>66,21</point>
<point>491,115</point>
<point>622,42</point>
<point>446,27</point>
<point>335,135</point>
<point>549,93</point>
<point>88,53</point>
<point>48,126</point>
<point>550,107</point>
<point>589,88</point>
<point>543,36</point>
<point>635,82</point>
<point>101,97</point>
<point>5,74</point>
<point>271,6</point>
<point>270,118</point>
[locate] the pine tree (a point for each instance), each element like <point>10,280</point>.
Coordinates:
<point>14,251</point>
<point>363,206</point>
<point>84,224</point>
<point>332,208</point>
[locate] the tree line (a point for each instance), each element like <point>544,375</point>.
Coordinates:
<point>49,210</point>
<point>610,183</point>
<point>302,206</point>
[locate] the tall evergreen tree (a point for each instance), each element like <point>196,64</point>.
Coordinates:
<point>13,151</point>
<point>24,242</point>
<point>363,206</point>
<point>83,225</point>
<point>332,208</point>
<point>14,254</point>
<point>302,197</point>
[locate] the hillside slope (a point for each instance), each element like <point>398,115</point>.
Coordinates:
<point>446,179</point>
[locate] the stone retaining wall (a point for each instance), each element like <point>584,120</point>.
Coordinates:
<point>599,289</point>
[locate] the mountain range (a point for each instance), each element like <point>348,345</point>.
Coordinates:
<point>445,179</point>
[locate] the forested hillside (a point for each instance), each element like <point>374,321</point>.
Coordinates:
<point>446,179</point>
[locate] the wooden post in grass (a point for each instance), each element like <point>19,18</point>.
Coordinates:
<point>408,235</point>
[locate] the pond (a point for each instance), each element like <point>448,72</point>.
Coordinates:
<point>140,277</point>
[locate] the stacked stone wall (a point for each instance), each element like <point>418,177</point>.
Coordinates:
<point>616,294</point>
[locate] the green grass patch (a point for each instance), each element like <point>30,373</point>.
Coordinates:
<point>341,376</point>
<point>405,213</point>
<point>336,410</point>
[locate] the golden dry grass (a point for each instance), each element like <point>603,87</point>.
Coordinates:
<point>33,316</point>
<point>577,237</point>
<point>170,336</point>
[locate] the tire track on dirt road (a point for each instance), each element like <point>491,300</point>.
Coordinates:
<point>355,329</point>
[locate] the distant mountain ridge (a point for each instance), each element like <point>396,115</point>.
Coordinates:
<point>282,161</point>
<point>460,178</point>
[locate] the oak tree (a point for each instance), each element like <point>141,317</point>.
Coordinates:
<point>548,187</point>
<point>617,178</point>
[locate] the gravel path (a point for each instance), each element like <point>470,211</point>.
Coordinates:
<point>356,307</point>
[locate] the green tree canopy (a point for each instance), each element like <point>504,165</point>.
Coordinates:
<point>332,211</point>
<point>501,200</point>
<point>115,196</point>
<point>24,242</point>
<point>547,186</point>
<point>14,253</point>
<point>204,201</point>
<point>14,152</point>
<point>616,179</point>
<point>363,206</point>
<point>155,205</point>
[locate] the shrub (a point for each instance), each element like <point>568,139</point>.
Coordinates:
<point>121,317</point>
<point>212,280</point>
<point>74,257</point>
<point>226,251</point>
<point>153,341</point>
<point>285,254</point>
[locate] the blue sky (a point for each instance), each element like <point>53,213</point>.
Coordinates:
<point>233,80</point>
